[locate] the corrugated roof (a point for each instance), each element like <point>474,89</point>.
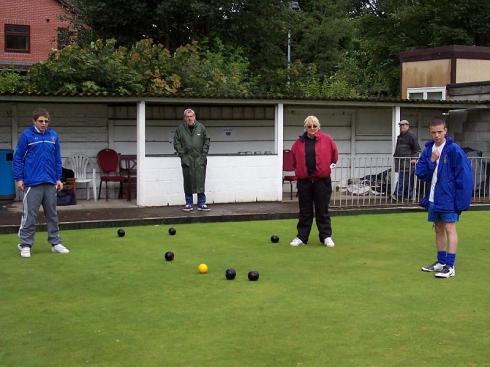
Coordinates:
<point>146,96</point>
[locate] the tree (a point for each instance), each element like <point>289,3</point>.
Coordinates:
<point>401,25</point>
<point>256,27</point>
<point>126,21</point>
<point>323,34</point>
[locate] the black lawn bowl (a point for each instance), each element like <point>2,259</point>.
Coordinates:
<point>172,231</point>
<point>169,255</point>
<point>230,274</point>
<point>121,232</point>
<point>253,276</point>
<point>274,238</point>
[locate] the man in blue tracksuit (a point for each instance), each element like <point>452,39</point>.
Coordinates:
<point>444,166</point>
<point>37,172</point>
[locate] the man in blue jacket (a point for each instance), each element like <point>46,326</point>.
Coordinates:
<point>444,166</point>
<point>37,172</point>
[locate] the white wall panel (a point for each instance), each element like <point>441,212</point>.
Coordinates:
<point>232,129</point>
<point>370,147</point>
<point>228,179</point>
<point>295,116</point>
<point>373,122</point>
<point>77,134</point>
<point>340,132</point>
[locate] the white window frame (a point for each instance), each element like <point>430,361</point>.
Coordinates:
<point>427,89</point>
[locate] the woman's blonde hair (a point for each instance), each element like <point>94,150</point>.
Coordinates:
<point>311,120</point>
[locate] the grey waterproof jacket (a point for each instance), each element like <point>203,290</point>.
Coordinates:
<point>192,147</point>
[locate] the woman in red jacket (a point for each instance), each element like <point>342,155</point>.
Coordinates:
<point>314,155</point>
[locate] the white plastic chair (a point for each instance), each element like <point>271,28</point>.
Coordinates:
<point>79,163</point>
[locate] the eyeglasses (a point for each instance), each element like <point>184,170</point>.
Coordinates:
<point>43,121</point>
<point>312,126</point>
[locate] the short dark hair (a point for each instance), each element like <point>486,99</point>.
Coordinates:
<point>38,112</point>
<point>437,122</point>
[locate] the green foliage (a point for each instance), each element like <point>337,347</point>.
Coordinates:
<point>305,81</point>
<point>218,72</point>
<point>145,67</point>
<point>10,81</point>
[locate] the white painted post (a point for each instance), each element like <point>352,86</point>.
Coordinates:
<point>353,151</point>
<point>279,129</point>
<point>140,149</point>
<point>279,143</point>
<point>395,119</point>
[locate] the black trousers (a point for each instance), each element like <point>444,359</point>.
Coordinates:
<point>314,195</point>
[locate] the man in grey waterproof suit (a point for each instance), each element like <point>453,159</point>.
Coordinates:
<point>191,143</point>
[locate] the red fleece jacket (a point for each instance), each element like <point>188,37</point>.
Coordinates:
<point>326,153</point>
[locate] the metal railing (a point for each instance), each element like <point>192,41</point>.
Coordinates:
<point>377,181</point>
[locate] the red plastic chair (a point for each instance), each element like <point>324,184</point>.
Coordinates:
<point>108,161</point>
<point>287,166</point>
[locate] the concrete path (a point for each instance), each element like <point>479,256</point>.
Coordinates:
<point>87,214</point>
<point>115,213</point>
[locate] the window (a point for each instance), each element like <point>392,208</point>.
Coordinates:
<point>17,38</point>
<point>435,96</point>
<point>416,95</point>
<point>429,93</point>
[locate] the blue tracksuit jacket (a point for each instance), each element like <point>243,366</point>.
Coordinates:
<point>454,187</point>
<point>37,158</point>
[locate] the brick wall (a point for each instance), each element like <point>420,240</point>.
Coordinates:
<point>43,17</point>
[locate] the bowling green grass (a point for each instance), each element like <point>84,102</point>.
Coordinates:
<point>115,301</point>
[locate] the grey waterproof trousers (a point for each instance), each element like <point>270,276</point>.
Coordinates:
<point>34,197</point>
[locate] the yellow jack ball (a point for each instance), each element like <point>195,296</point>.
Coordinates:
<point>203,268</point>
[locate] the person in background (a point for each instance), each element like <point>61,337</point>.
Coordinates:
<point>314,156</point>
<point>191,143</point>
<point>447,169</point>
<point>37,172</point>
<point>406,153</point>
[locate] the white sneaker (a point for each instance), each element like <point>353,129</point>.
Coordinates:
<point>24,251</point>
<point>328,242</point>
<point>59,248</point>
<point>446,272</point>
<point>187,208</point>
<point>296,242</point>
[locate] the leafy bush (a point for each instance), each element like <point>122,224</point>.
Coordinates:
<point>10,81</point>
<point>192,70</point>
<point>146,67</point>
<point>305,81</point>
